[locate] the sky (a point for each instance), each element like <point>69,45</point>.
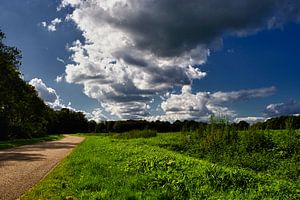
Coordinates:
<point>160,59</point>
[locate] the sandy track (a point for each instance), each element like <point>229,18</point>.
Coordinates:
<point>24,166</point>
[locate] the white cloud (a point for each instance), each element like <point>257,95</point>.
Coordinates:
<point>60,60</point>
<point>242,94</point>
<point>48,94</point>
<point>134,50</point>
<point>201,105</point>
<point>291,107</point>
<point>97,115</point>
<point>120,77</point>
<point>59,79</point>
<point>51,26</point>
<point>53,100</point>
<point>250,120</point>
<point>44,24</point>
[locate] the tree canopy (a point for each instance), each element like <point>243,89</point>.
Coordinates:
<point>22,112</point>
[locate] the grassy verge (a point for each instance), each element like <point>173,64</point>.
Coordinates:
<point>273,152</point>
<point>18,142</point>
<point>107,168</point>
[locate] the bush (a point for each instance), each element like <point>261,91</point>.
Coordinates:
<point>256,141</point>
<point>136,134</point>
<point>217,135</point>
<point>274,152</point>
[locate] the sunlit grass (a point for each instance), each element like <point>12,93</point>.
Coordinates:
<point>106,168</point>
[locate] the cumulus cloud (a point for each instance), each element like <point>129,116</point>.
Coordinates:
<point>53,100</point>
<point>201,105</point>
<point>59,79</point>
<point>152,24</point>
<point>124,89</point>
<point>242,94</point>
<point>51,26</point>
<point>136,49</point>
<point>97,115</point>
<point>48,94</point>
<point>250,120</point>
<point>287,108</point>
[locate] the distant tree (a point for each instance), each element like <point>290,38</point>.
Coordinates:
<point>101,127</point>
<point>242,125</point>
<point>92,126</point>
<point>109,126</point>
<point>118,127</point>
<point>69,121</point>
<point>282,122</point>
<point>177,126</point>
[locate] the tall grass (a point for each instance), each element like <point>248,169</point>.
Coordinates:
<point>276,152</point>
<point>135,134</point>
<point>106,168</point>
<point>214,162</point>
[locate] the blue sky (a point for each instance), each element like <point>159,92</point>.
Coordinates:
<point>126,59</point>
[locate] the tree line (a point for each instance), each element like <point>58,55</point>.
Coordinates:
<point>282,122</point>
<point>24,115</point>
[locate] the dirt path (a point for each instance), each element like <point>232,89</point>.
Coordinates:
<point>24,166</point>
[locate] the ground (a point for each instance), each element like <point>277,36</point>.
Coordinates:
<point>22,167</point>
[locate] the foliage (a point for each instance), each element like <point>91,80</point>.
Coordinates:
<point>281,122</point>
<point>106,168</point>
<point>22,112</point>
<point>192,126</point>
<point>136,134</point>
<point>68,121</point>
<point>275,152</point>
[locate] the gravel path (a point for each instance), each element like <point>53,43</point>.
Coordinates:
<point>24,166</point>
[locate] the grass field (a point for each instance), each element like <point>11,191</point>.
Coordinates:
<point>106,167</point>
<point>18,142</point>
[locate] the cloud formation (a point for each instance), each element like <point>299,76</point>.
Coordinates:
<point>97,115</point>
<point>136,49</point>
<point>287,108</point>
<point>201,105</point>
<point>53,100</point>
<point>48,94</point>
<point>250,120</point>
<point>51,26</point>
<point>59,79</point>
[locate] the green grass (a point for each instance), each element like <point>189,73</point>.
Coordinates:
<point>103,167</point>
<point>271,152</point>
<point>18,142</point>
<point>135,134</point>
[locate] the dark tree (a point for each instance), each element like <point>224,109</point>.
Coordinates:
<point>22,112</point>
<point>242,125</point>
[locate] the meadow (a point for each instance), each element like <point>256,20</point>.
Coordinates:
<point>215,163</point>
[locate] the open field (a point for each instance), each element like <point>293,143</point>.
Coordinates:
<point>106,167</point>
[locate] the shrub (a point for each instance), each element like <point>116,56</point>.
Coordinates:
<point>136,134</point>
<point>217,135</point>
<point>256,141</point>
